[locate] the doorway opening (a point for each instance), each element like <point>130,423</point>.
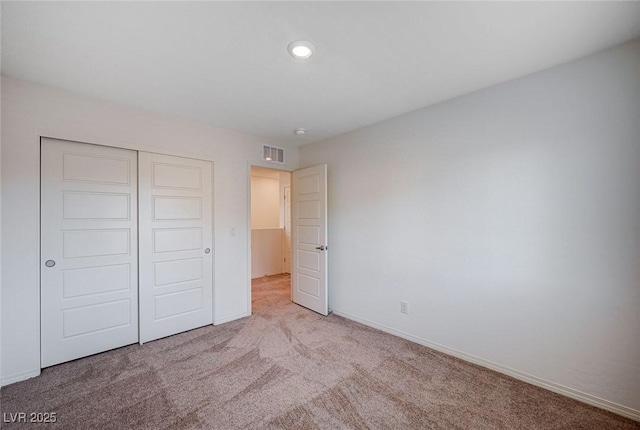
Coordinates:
<point>270,238</point>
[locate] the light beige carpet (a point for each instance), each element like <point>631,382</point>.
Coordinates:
<point>287,367</point>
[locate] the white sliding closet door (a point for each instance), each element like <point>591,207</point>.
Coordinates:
<point>176,257</point>
<point>89,261</point>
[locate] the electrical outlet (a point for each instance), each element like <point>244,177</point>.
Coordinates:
<point>404,307</point>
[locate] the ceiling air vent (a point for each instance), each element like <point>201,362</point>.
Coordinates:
<point>275,155</point>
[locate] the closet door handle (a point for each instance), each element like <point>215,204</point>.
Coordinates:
<point>50,263</point>
<point>321,247</point>
<point>207,250</point>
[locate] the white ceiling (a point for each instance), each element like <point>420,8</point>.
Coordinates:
<point>226,63</point>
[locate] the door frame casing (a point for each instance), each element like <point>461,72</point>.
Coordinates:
<point>288,254</point>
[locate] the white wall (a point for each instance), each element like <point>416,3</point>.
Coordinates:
<point>30,111</point>
<point>265,209</point>
<point>509,219</point>
<point>267,257</point>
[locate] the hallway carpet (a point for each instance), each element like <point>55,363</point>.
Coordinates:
<point>288,368</point>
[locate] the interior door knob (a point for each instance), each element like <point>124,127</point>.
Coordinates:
<point>207,250</point>
<point>49,263</point>
<point>321,247</point>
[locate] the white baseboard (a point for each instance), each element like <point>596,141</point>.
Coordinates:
<point>522,376</point>
<point>20,377</point>
<point>230,318</point>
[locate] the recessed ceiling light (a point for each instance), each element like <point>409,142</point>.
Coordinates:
<point>300,131</point>
<point>301,49</point>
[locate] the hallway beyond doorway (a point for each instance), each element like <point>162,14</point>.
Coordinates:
<point>269,291</point>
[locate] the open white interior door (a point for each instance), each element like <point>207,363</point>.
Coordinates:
<point>309,216</point>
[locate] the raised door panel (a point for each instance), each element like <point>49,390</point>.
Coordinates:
<point>177,239</point>
<point>96,168</point>
<point>84,243</point>
<point>95,206</point>
<point>176,176</point>
<point>174,208</point>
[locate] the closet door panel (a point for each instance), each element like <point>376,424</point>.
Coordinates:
<point>89,240</point>
<point>176,257</point>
